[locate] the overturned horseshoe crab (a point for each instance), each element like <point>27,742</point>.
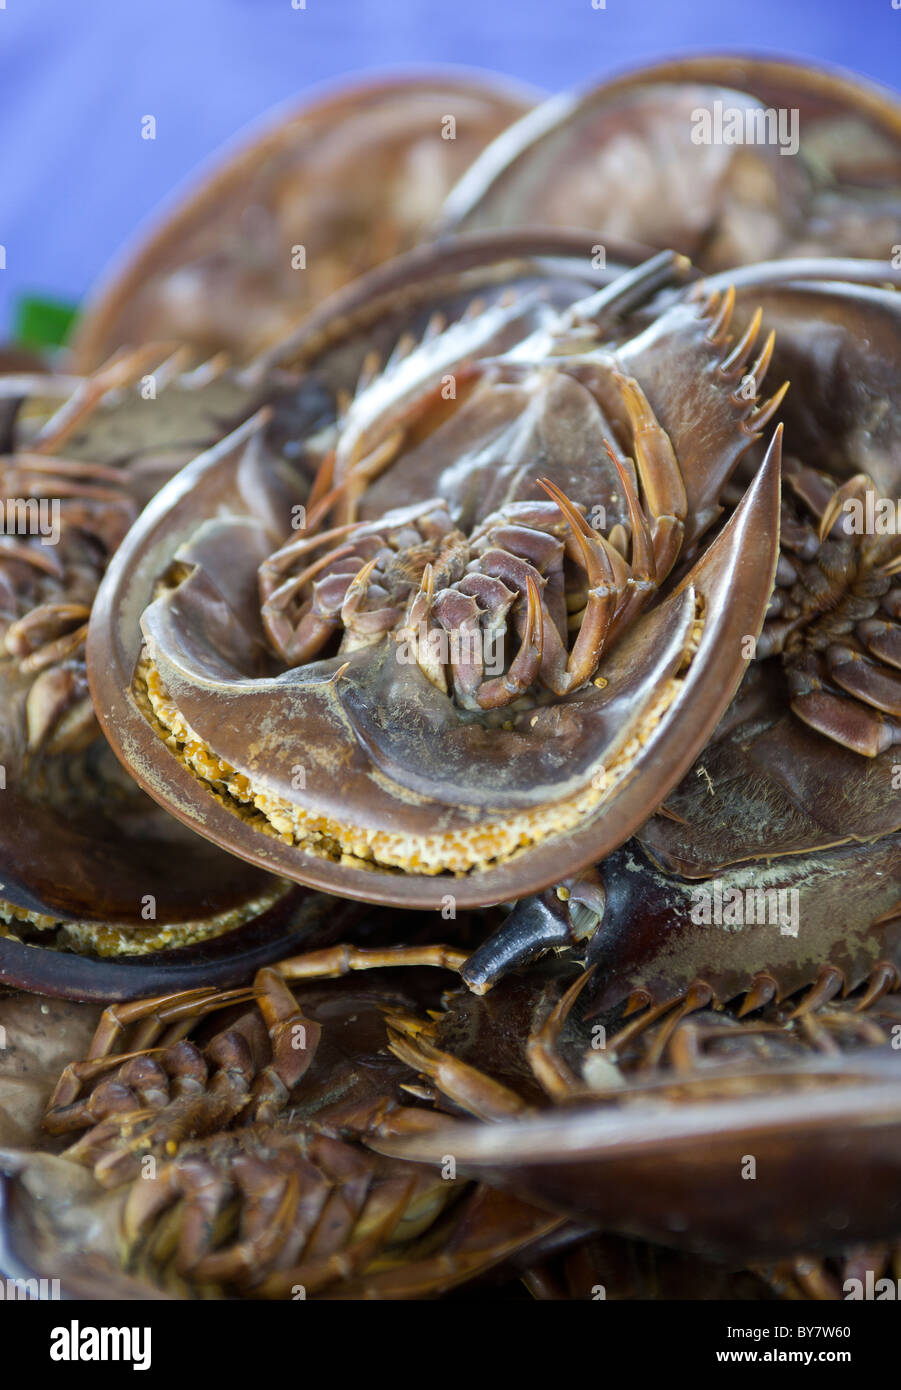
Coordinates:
<point>204,1148</point>
<point>294,700</point>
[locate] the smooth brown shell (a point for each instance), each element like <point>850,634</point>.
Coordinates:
<point>722,207</point>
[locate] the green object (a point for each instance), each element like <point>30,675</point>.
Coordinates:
<point>41,322</point>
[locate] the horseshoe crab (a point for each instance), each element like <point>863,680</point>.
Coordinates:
<point>319,1215</point>
<point>728,159</point>
<point>213,1137</point>
<point>309,726</point>
<point>122,432</point>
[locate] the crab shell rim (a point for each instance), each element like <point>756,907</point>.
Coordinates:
<point>224,960</point>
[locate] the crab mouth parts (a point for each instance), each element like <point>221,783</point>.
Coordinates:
<point>493,838</point>
<point>108,939</point>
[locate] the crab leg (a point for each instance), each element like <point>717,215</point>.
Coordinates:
<point>554,1075</point>
<point>523,671</point>
<point>194,1113</point>
<point>122,369</point>
<point>336,961</point>
<point>603,595</point>
<point>642,581</point>
<point>294,1039</point>
<point>661,477</point>
<point>476,1092</point>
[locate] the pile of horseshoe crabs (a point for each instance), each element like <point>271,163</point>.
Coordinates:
<point>450,816</point>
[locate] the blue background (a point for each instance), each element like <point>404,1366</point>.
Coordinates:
<point>77,75</point>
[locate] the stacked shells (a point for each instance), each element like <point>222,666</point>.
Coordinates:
<point>542,583</point>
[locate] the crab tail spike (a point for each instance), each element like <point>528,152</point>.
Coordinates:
<point>402,349</point>
<point>733,364</point>
<point>474,309</point>
<point>883,979</point>
<point>762,992</point>
<point>172,366</point>
<point>708,308</point>
<point>372,365</point>
<point>719,327</point>
<point>829,982</point>
<point>435,326</point>
<point>205,373</point>
<point>761,417</point>
<point>631,289</point>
